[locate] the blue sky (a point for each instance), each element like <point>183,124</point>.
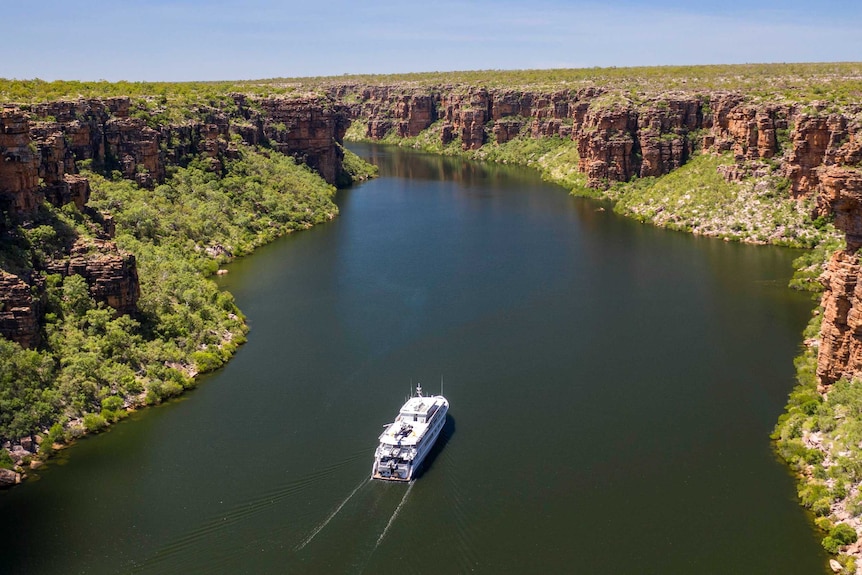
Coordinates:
<point>234,40</point>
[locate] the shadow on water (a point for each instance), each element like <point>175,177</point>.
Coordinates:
<point>445,435</point>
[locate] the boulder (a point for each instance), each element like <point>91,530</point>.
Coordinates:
<point>9,478</point>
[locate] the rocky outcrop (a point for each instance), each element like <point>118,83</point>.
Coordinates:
<point>118,135</point>
<point>39,163</point>
<point>111,274</point>
<point>20,312</point>
<point>621,136</point>
<point>507,129</point>
<point>309,129</point>
<point>840,194</point>
<point>663,129</point>
<point>133,147</point>
<point>415,113</point>
<point>616,142</point>
<point>607,146</point>
<point>19,164</point>
<point>464,115</point>
<point>840,353</point>
<point>816,141</point>
<point>9,478</point>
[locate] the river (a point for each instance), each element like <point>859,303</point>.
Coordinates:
<point>612,390</point>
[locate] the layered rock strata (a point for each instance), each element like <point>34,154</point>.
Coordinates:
<point>840,353</point>
<point>620,137</point>
<point>19,163</point>
<point>41,144</point>
<point>19,310</point>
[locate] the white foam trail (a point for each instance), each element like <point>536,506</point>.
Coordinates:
<point>394,515</point>
<point>326,521</point>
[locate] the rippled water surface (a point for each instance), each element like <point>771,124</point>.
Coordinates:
<point>612,389</point>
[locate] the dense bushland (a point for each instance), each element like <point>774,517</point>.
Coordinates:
<point>94,364</point>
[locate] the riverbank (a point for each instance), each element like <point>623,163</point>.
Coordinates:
<point>826,487</point>
<point>433,269</point>
<point>107,305</point>
<point>765,154</point>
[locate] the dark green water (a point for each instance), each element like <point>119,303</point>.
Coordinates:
<point>612,390</point>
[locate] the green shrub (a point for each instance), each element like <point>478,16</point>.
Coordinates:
<point>843,533</point>
<point>813,491</point>
<point>112,403</point>
<point>111,416</point>
<point>831,545</point>
<point>93,422</point>
<point>206,361</point>
<point>158,391</point>
<point>46,450</point>
<point>824,523</point>
<point>822,507</point>
<point>6,461</point>
<point>56,434</point>
<point>839,491</point>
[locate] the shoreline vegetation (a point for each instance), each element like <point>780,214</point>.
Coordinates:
<point>693,198</point>
<point>825,457</point>
<point>197,328</point>
<point>94,366</point>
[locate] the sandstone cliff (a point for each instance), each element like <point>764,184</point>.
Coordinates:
<point>19,168</point>
<point>840,353</point>
<point>19,310</point>
<point>40,145</point>
<point>620,136</point>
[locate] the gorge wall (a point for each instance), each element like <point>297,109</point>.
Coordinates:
<point>618,136</point>
<point>40,145</point>
<point>818,151</point>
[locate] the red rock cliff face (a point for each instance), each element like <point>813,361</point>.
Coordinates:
<point>19,310</point>
<point>615,142</point>
<point>606,145</point>
<point>19,164</point>
<point>38,163</point>
<point>310,129</point>
<point>618,139</point>
<point>840,353</point>
<point>823,160</point>
<point>111,273</point>
<point>663,130</point>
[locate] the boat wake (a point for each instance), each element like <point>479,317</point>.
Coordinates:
<point>216,525</point>
<point>326,521</point>
<point>394,515</point>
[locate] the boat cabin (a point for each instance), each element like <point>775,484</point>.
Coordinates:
<point>418,410</point>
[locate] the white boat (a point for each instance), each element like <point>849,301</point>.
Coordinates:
<point>406,441</point>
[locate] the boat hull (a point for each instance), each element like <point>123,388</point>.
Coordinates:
<point>399,459</point>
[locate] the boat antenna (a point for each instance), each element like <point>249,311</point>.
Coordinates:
<point>441,384</point>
